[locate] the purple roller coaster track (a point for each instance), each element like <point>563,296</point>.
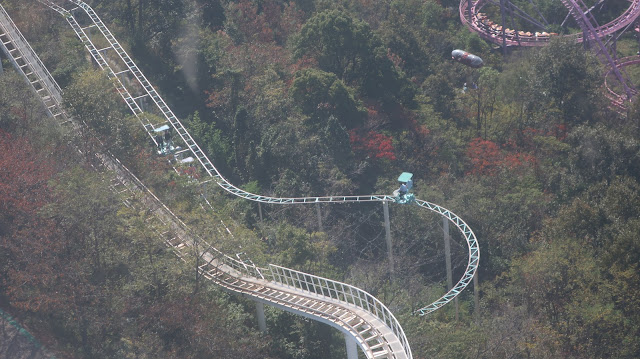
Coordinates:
<point>619,91</point>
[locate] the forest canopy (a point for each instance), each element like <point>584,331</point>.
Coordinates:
<point>315,98</point>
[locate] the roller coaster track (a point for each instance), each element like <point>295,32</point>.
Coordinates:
<point>353,311</point>
<point>25,60</point>
<point>586,21</point>
<point>486,29</point>
<point>470,16</point>
<point>611,94</point>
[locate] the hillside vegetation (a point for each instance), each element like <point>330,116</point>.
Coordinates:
<point>315,98</point>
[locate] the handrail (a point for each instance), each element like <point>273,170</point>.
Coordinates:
<point>342,292</point>
<point>302,281</point>
<point>31,57</point>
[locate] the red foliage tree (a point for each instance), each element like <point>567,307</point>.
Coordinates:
<point>516,160</point>
<point>271,21</point>
<point>485,157</point>
<point>23,179</point>
<point>372,145</point>
<point>27,240</point>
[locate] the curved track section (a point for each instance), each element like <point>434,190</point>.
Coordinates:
<point>351,310</point>
<point>617,99</point>
<point>492,32</point>
<point>479,23</point>
<point>473,261</point>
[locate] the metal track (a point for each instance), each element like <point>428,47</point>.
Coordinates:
<point>27,63</point>
<point>476,24</point>
<point>590,28</point>
<point>332,302</point>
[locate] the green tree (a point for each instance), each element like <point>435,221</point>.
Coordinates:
<point>564,72</point>
<point>339,43</point>
<point>336,139</point>
<point>240,138</point>
<point>321,95</point>
<point>91,99</point>
<point>487,96</point>
<point>601,153</point>
<point>218,147</point>
<point>440,93</point>
<point>349,49</point>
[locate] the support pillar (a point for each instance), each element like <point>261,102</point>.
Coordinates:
<point>387,228</point>
<point>447,254</point>
<point>123,78</point>
<point>320,228</point>
<point>504,24</point>
<point>262,321</point>
<point>142,105</point>
<point>476,294</point>
<point>260,212</point>
<point>1,69</point>
<point>636,29</point>
<point>352,347</point>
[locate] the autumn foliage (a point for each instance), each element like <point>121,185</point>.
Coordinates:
<point>25,236</point>
<point>268,22</point>
<point>487,158</point>
<point>23,177</point>
<point>372,145</point>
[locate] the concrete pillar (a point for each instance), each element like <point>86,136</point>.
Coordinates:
<point>447,254</point>
<point>447,251</point>
<point>320,228</point>
<point>260,212</point>
<point>123,78</point>
<point>504,26</point>
<point>142,104</point>
<point>262,321</point>
<point>476,294</point>
<point>2,55</point>
<point>387,228</point>
<point>352,347</point>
